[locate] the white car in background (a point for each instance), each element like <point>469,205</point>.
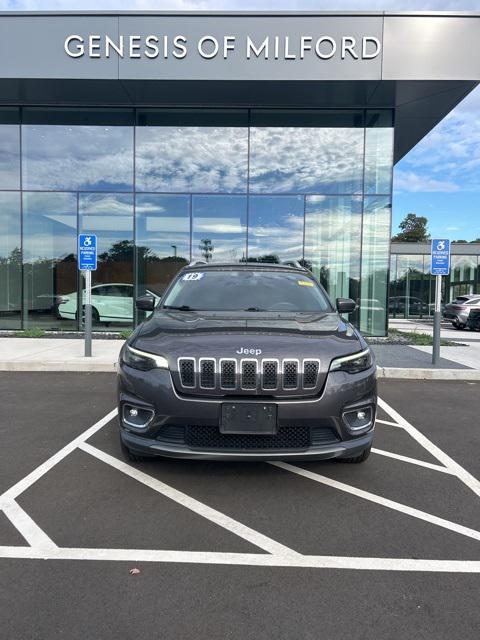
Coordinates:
<point>112,302</point>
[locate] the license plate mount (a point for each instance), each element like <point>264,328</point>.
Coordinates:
<point>249,418</point>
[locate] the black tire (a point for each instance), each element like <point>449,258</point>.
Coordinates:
<point>129,455</point>
<point>95,315</point>
<point>358,459</point>
<point>458,325</point>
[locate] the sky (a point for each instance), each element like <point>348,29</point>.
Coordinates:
<point>439,178</point>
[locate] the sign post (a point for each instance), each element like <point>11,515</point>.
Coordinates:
<point>440,266</point>
<point>87,262</point>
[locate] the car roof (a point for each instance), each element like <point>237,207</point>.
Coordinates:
<point>195,266</point>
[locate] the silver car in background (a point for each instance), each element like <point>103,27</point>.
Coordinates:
<point>459,309</point>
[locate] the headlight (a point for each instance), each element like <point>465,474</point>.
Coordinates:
<point>143,360</point>
<point>353,364</point>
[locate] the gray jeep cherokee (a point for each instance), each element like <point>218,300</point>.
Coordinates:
<point>246,361</point>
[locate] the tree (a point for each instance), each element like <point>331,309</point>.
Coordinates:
<point>413,229</point>
<point>206,248</point>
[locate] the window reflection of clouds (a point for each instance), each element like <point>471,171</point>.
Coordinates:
<point>10,260</point>
<point>9,156</point>
<point>163,225</point>
<point>223,220</point>
<point>275,226</point>
<point>378,159</point>
<point>184,159</point>
<point>332,241</point>
<point>305,159</point>
<point>91,158</point>
<point>49,225</point>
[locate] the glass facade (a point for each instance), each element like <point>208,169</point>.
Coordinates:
<point>412,287</point>
<point>161,187</point>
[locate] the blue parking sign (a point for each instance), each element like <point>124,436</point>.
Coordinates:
<point>440,257</point>
<point>87,252</point>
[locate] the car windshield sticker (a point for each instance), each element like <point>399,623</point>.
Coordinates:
<point>193,276</point>
<point>305,283</point>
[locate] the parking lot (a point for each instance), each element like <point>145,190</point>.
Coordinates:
<point>386,549</point>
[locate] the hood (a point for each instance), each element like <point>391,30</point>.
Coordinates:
<point>183,333</point>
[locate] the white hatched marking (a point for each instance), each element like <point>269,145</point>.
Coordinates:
<point>420,463</point>
<point>385,502</point>
<point>41,470</point>
<point>29,529</point>
<point>222,520</point>
<point>250,559</point>
<point>390,424</point>
<point>462,474</point>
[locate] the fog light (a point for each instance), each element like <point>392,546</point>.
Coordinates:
<point>359,419</point>
<point>137,417</point>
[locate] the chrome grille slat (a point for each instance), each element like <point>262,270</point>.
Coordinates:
<point>311,369</point>
<point>267,375</point>
<point>249,374</point>
<point>290,374</point>
<point>186,369</point>
<point>207,370</point>
<point>270,374</point>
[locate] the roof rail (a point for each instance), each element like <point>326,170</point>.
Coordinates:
<point>195,262</point>
<point>294,263</point>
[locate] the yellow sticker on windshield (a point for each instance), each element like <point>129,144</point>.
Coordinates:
<point>305,283</point>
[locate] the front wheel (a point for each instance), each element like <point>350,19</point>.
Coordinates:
<point>458,325</point>
<point>358,459</point>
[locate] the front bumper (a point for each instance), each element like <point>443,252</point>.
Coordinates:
<point>174,416</point>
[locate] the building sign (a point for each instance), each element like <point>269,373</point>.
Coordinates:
<point>208,47</point>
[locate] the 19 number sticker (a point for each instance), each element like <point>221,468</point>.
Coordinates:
<point>193,276</point>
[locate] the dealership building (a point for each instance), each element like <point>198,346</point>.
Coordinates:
<point>226,137</point>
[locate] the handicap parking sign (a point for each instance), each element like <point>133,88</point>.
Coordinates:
<point>87,252</point>
<point>440,257</point>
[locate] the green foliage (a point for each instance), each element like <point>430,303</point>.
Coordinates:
<point>413,229</point>
<point>421,339</point>
<point>126,333</point>
<point>34,332</point>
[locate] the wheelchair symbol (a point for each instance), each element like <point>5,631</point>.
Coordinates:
<point>441,245</point>
<point>87,242</point>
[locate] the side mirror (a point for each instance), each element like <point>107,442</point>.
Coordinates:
<point>346,305</point>
<point>145,303</point>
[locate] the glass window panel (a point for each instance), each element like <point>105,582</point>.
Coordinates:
<point>10,261</point>
<point>192,159</point>
<point>374,269</point>
<point>49,255</point>
<point>219,228</point>
<point>306,160</point>
<point>463,269</point>
<point>163,239</point>
<point>9,149</point>
<point>83,157</point>
<point>332,243</point>
<point>306,118</point>
<point>411,297</point>
<point>275,228</point>
<point>378,160</point>
<point>110,218</point>
<point>192,117</point>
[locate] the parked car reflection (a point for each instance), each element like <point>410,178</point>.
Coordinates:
<point>112,302</point>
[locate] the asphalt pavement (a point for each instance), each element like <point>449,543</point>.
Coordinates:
<point>388,549</point>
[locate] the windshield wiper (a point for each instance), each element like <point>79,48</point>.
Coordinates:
<point>182,307</point>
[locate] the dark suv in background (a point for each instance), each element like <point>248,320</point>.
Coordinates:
<point>246,361</point>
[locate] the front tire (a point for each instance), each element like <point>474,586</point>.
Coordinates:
<point>358,459</point>
<point>458,325</point>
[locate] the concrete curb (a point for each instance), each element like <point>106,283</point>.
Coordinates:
<point>72,366</point>
<point>396,373</point>
<point>84,366</point>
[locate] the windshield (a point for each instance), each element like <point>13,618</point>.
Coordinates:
<point>247,290</point>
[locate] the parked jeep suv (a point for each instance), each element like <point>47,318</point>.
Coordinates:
<point>246,361</point>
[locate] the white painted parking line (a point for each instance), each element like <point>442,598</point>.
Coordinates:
<point>462,474</point>
<point>29,529</point>
<point>222,520</point>
<point>41,470</point>
<point>390,424</point>
<point>385,502</point>
<point>250,559</point>
<point>420,463</point>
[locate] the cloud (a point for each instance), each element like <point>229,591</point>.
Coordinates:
<point>411,181</point>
